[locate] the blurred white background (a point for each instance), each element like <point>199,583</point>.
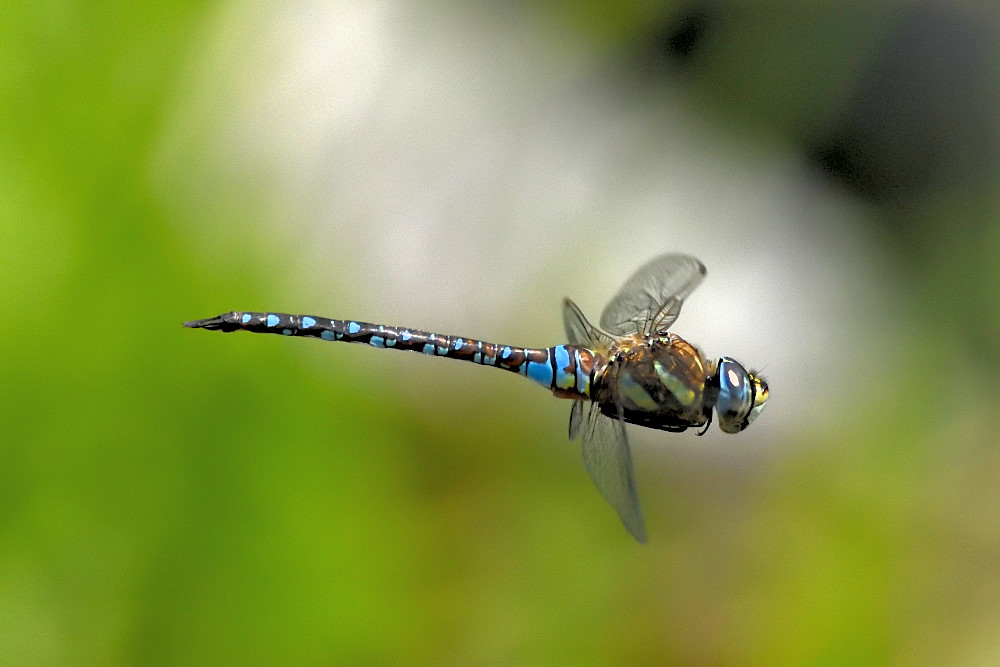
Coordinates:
<point>425,170</point>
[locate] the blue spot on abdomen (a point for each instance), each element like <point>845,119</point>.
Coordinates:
<point>245,318</point>
<point>353,328</point>
<point>272,320</point>
<point>582,379</point>
<point>540,372</point>
<point>308,322</point>
<point>563,379</point>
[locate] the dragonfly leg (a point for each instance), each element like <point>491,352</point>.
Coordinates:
<point>708,422</point>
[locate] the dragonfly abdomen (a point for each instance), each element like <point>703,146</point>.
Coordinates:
<point>566,370</point>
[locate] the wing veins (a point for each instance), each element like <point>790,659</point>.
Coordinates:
<point>609,462</point>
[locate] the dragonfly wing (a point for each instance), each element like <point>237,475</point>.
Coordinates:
<point>606,455</point>
<point>575,419</point>
<point>581,332</point>
<point>651,299</point>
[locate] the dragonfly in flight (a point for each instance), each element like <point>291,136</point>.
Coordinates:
<point>631,369</point>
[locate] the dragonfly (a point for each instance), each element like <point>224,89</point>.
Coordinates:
<point>630,370</point>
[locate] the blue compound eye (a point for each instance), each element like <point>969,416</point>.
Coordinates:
<point>736,396</point>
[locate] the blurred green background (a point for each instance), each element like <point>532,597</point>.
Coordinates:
<point>172,496</point>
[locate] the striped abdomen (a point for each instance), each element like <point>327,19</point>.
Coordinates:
<point>567,370</point>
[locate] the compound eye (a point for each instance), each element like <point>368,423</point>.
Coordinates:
<point>736,396</point>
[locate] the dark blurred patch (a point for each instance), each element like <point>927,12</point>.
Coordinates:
<point>689,32</point>
<point>923,115</point>
<point>681,37</point>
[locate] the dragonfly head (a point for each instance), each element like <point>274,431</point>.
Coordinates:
<point>742,395</point>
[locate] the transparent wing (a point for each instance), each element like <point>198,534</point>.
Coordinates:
<point>581,332</point>
<point>651,299</point>
<point>575,419</point>
<point>606,455</point>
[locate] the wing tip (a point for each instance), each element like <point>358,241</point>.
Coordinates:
<point>637,529</point>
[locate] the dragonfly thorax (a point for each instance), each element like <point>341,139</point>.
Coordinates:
<point>658,383</point>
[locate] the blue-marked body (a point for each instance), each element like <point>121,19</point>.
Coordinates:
<point>565,369</point>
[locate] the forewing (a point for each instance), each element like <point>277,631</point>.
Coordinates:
<point>581,332</point>
<point>651,299</point>
<point>606,455</point>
